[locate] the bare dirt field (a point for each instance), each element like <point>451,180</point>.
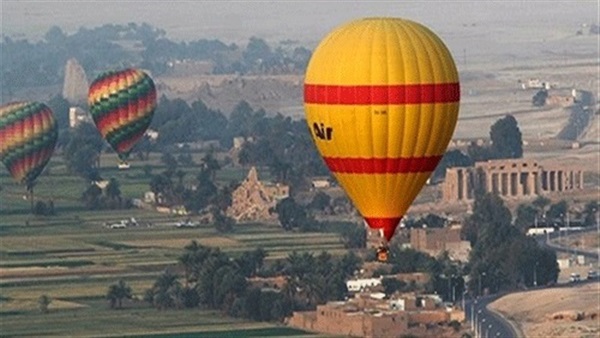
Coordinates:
<point>557,312</point>
<point>588,241</point>
<point>273,93</point>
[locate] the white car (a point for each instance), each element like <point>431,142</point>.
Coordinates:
<point>575,277</point>
<point>185,224</point>
<point>120,225</point>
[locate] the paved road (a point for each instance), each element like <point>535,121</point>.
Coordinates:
<point>545,240</point>
<point>486,323</point>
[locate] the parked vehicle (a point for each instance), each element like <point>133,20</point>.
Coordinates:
<point>592,274</point>
<point>185,224</point>
<point>123,223</point>
<point>120,225</point>
<point>575,277</point>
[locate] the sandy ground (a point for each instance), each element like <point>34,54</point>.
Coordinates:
<point>557,312</point>
<point>589,241</point>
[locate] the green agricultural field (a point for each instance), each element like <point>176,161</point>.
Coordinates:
<point>94,318</point>
<point>72,257</point>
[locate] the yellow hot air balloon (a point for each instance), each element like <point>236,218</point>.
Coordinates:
<point>381,98</point>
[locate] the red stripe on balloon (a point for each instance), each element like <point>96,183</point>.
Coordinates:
<point>347,165</point>
<point>387,224</point>
<point>17,169</point>
<point>11,134</point>
<point>382,94</point>
<point>128,143</point>
<point>109,119</point>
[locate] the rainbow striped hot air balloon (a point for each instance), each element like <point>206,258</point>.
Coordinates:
<point>28,134</point>
<point>381,98</point>
<point>122,104</point>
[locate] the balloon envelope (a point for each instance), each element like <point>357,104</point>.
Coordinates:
<point>122,104</point>
<point>381,98</point>
<point>28,134</point>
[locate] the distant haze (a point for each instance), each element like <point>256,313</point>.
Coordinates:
<point>305,21</point>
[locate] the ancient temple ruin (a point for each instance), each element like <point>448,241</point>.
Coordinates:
<point>75,87</point>
<point>253,199</point>
<point>509,178</point>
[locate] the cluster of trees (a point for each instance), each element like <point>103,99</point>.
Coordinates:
<point>256,57</point>
<point>211,279</point>
<point>445,275</point>
<point>109,198</point>
<point>292,215</point>
<point>42,208</point>
<point>272,139</point>
<point>543,213</point>
<point>81,147</point>
<point>105,47</point>
<point>506,142</point>
<point>429,221</point>
<point>201,194</point>
<point>297,216</point>
<point>502,257</point>
<point>539,99</point>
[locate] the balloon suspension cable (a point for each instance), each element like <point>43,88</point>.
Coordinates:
<point>30,195</point>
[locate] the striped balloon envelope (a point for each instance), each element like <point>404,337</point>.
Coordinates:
<point>122,104</point>
<point>28,134</point>
<point>381,98</point>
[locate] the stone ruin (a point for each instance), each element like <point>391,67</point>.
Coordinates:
<point>75,87</point>
<point>253,199</point>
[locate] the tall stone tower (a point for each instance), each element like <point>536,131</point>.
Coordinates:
<point>75,87</point>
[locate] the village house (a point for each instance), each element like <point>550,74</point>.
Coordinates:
<point>374,283</point>
<point>77,116</point>
<point>371,315</point>
<point>434,241</point>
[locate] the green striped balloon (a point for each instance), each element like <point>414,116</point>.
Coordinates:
<point>28,134</point>
<point>122,104</point>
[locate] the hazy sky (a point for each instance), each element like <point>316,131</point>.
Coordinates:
<point>308,21</point>
<point>486,31</point>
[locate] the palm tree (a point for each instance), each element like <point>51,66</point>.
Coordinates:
<point>169,161</point>
<point>210,164</point>
<point>44,301</point>
<point>541,203</point>
<point>280,170</point>
<point>166,291</point>
<point>161,185</point>
<point>315,289</point>
<point>300,264</point>
<point>187,260</point>
<point>113,189</point>
<point>192,260</point>
<point>180,175</point>
<point>117,292</point>
<point>258,258</point>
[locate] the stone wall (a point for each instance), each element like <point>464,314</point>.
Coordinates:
<point>338,320</point>
<point>434,241</point>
